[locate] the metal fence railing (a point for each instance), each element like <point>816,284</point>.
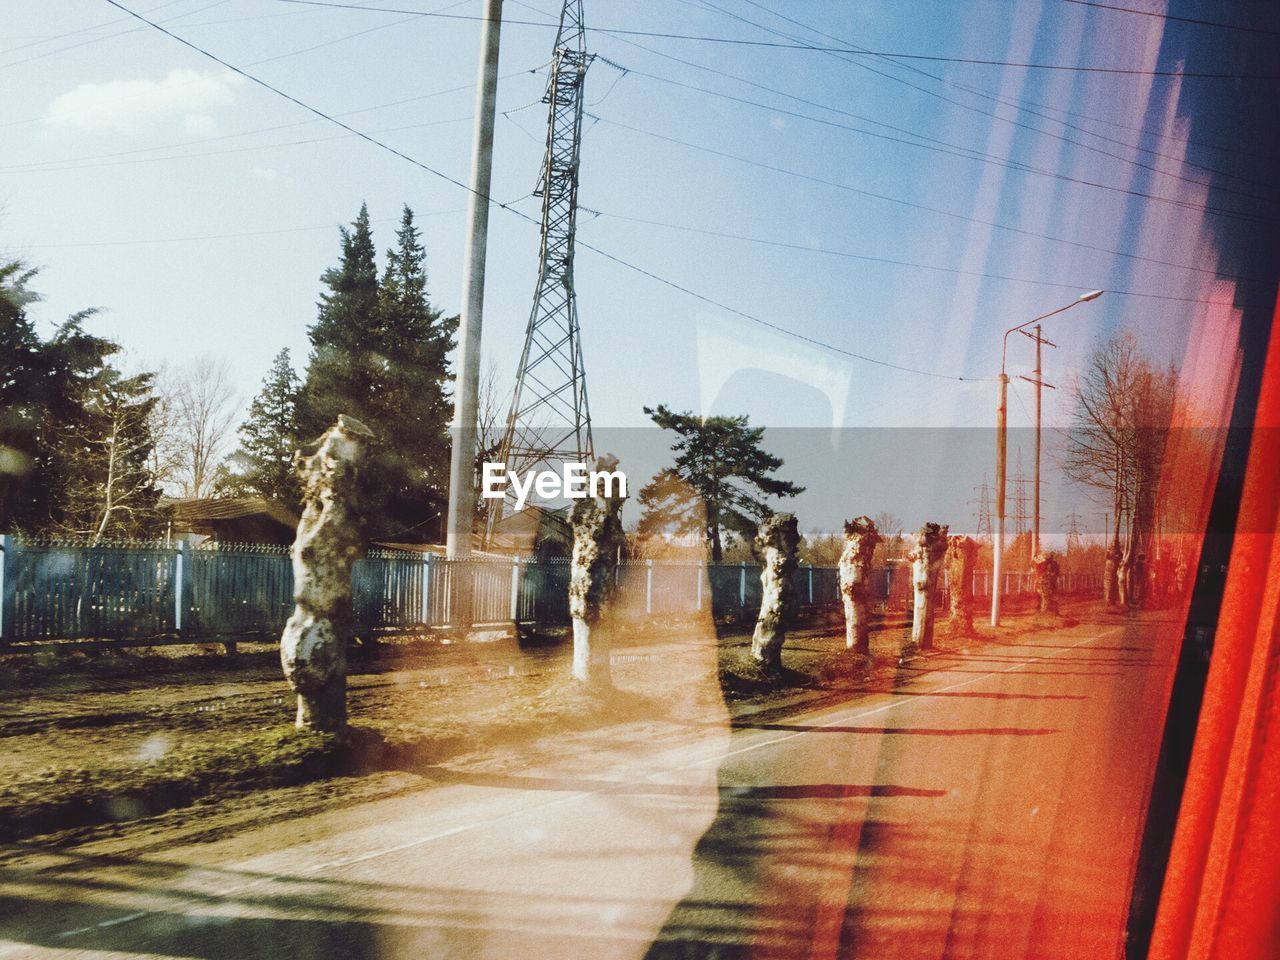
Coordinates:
<point>131,591</point>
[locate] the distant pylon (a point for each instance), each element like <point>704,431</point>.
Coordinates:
<point>982,515</point>
<point>549,422</point>
<point>1020,500</point>
<point>1075,536</point>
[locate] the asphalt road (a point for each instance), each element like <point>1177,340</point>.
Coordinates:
<point>990,806</point>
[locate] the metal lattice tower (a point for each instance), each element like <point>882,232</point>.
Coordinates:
<point>982,515</point>
<point>1075,536</point>
<point>1021,500</point>
<point>549,422</point>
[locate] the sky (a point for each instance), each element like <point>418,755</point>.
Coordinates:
<point>869,214</point>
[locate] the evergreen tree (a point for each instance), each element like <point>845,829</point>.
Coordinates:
<point>344,371</point>
<point>718,483</point>
<point>44,388</point>
<point>379,353</point>
<point>414,404</point>
<point>263,466</point>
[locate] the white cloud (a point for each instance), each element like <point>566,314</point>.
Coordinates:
<point>186,99</point>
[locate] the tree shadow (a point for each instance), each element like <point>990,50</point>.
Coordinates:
<point>333,931</point>
<point>727,792</point>
<point>907,731</point>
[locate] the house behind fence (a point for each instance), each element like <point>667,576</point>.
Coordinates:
<point>157,592</point>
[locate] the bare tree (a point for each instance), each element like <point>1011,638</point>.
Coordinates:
<point>1117,441</point>
<point>491,411</point>
<point>165,449</point>
<point>202,414</point>
<point>110,491</point>
<point>890,528</point>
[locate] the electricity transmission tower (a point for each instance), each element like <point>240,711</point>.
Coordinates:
<point>1075,537</point>
<point>549,421</point>
<point>1020,500</point>
<point>983,512</point>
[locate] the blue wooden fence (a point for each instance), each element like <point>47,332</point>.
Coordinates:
<point>130,591</point>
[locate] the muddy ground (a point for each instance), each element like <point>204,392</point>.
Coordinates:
<point>197,740</point>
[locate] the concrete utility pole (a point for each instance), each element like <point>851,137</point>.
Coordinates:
<point>462,490</point>
<point>1002,440</point>
<point>1038,380</point>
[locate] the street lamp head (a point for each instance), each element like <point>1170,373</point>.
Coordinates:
<point>1091,295</point>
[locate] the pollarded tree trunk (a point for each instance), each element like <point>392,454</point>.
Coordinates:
<point>926,556</point>
<point>778,541</point>
<point>1124,577</point>
<point>1138,581</point>
<point>1047,569</point>
<point>860,539</point>
<point>313,647</point>
<point>597,536</point>
<point>961,551</point>
<point>1111,575</point>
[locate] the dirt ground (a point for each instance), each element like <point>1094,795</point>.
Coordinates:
<point>198,741</point>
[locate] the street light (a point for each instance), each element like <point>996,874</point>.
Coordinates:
<point>1002,438</point>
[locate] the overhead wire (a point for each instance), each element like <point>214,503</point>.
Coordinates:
<point>223,236</point>
<point>910,203</point>
<point>816,48</point>
<point>870,258</point>
<point>109,36</point>
<point>635,268</point>
<point>943,145</point>
<point>1024,104</point>
<point>1175,19</point>
<point>63,162</point>
<point>1021,106</point>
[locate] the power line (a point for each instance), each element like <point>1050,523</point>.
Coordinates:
<point>780,329</point>
<point>910,203</point>
<point>847,255</point>
<point>251,148</point>
<point>85,43</point>
<point>332,118</point>
<point>635,268</point>
<point>1021,106</point>
<point>1170,17</point>
<point>220,236</point>
<point>36,41</point>
<point>814,48</point>
<point>271,129</point>
<point>969,152</point>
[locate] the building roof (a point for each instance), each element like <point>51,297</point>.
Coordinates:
<point>205,509</point>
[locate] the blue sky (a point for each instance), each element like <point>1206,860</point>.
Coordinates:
<point>198,210</point>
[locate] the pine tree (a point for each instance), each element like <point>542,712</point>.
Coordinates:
<point>263,466</point>
<point>344,372</point>
<point>44,385</point>
<point>718,483</point>
<point>379,354</point>
<point>413,405</point>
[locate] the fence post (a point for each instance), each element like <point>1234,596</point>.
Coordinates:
<point>4,545</point>
<point>515,588</point>
<point>811,585</point>
<point>742,585</point>
<point>426,589</point>
<point>648,587</point>
<point>698,575</point>
<point>178,559</point>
